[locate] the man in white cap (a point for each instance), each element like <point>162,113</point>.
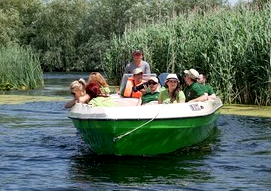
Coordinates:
<point>137,63</point>
<point>132,82</point>
<point>152,92</point>
<point>193,91</point>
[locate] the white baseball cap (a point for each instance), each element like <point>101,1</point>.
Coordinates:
<point>192,73</point>
<point>137,71</point>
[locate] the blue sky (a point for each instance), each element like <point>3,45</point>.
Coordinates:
<point>233,2</point>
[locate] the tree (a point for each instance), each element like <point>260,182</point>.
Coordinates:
<point>56,32</point>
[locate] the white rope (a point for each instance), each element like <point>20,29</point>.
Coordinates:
<point>129,132</point>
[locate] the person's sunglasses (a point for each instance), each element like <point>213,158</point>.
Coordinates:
<point>152,83</point>
<point>137,54</point>
<point>72,93</point>
<point>173,81</point>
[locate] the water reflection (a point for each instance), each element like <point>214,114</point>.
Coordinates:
<point>167,169</point>
<point>175,170</point>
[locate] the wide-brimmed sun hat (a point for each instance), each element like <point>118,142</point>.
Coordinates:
<point>172,76</point>
<point>192,73</point>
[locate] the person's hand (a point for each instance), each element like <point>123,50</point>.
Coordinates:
<point>84,99</point>
<point>144,90</point>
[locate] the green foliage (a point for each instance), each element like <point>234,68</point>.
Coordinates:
<point>56,32</point>
<point>9,26</point>
<point>19,68</point>
<point>20,17</point>
<point>71,35</point>
<point>232,46</point>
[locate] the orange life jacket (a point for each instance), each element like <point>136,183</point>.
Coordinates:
<point>128,92</point>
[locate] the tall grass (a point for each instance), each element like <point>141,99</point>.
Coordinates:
<point>231,46</point>
<point>19,68</point>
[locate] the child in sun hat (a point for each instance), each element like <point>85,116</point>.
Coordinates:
<point>172,92</point>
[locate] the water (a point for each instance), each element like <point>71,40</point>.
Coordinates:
<point>41,150</point>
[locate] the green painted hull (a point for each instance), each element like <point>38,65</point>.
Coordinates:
<point>144,137</point>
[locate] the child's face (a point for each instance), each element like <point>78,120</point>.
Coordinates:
<point>76,93</point>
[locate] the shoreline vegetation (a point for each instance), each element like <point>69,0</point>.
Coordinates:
<point>230,44</point>
<point>19,68</point>
<point>235,109</point>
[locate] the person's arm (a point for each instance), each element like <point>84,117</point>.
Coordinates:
<point>71,103</point>
<point>201,94</point>
<point>212,97</point>
<point>84,99</point>
<point>204,97</point>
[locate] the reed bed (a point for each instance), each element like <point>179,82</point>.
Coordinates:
<point>232,46</point>
<point>19,68</point>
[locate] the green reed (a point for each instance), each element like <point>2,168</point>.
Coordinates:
<point>19,68</point>
<point>231,46</point>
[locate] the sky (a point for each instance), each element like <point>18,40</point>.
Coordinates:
<point>233,2</point>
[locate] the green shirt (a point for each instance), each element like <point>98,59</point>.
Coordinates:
<point>193,91</point>
<point>164,96</point>
<point>102,102</point>
<point>148,97</point>
<point>105,90</point>
<point>208,89</point>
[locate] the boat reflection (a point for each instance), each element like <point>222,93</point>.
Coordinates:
<point>176,168</point>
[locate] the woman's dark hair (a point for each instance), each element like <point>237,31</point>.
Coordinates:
<point>93,90</point>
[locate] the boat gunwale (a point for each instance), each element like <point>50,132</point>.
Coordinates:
<point>139,119</point>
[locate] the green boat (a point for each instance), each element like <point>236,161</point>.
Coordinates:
<point>131,129</point>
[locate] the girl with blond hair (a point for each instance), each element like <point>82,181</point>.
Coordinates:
<point>78,91</point>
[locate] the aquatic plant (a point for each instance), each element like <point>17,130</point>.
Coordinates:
<point>19,68</point>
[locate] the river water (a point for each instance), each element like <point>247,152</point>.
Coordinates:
<point>41,150</point>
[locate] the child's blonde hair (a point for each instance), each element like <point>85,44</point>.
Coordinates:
<point>79,85</point>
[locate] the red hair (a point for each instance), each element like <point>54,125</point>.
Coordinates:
<point>93,90</point>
